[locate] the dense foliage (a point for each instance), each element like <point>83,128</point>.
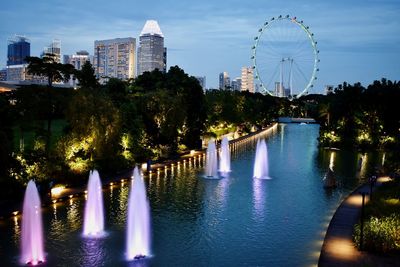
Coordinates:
<point>355,116</point>
<point>382,223</point>
<point>55,133</point>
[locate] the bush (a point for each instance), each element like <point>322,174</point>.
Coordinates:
<point>380,234</point>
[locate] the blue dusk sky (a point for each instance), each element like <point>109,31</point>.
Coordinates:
<point>359,40</point>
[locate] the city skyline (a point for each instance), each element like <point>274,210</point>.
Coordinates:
<point>358,41</point>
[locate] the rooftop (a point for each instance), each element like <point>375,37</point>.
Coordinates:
<point>151,27</point>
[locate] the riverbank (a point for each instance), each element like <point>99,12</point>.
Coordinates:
<point>193,157</point>
<point>338,248</point>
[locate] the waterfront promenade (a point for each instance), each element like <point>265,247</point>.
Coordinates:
<point>123,176</point>
<point>338,249</point>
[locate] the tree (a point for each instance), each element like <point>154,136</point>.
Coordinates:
<point>95,130</point>
<point>48,67</point>
<point>6,136</point>
<point>53,71</point>
<point>192,98</point>
<point>86,77</point>
<point>116,89</point>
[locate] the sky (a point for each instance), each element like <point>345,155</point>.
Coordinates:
<point>359,40</point>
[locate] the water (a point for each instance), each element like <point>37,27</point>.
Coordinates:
<point>32,230</point>
<point>93,225</point>
<point>225,159</point>
<point>212,160</point>
<point>261,164</point>
<point>238,221</point>
<point>138,227</point>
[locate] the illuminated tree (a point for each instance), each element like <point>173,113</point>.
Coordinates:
<point>94,131</point>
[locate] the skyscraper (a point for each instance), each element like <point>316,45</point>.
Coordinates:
<point>77,60</point>
<point>55,49</point>
<point>202,81</point>
<point>115,58</point>
<point>151,52</point>
<point>237,84</point>
<point>247,79</point>
<point>3,74</point>
<point>224,81</point>
<point>18,49</point>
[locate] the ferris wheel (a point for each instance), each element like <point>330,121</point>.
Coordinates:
<point>285,57</point>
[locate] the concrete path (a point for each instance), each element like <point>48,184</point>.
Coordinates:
<point>338,248</point>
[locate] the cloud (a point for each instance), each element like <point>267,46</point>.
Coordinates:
<point>208,37</point>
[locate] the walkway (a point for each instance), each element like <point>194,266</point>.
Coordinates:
<point>338,248</point>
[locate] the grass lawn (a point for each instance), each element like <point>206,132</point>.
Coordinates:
<point>57,127</point>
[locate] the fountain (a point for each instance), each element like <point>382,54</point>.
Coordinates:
<point>32,229</point>
<point>261,169</point>
<point>225,159</point>
<point>212,161</point>
<point>138,235</point>
<point>93,225</point>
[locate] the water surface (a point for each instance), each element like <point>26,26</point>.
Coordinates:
<point>234,221</point>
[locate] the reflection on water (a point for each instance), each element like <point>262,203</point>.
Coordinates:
<point>282,131</point>
<point>93,252</point>
<point>332,161</point>
<point>221,192</point>
<point>74,213</point>
<point>235,221</point>
<point>57,227</point>
<point>17,231</point>
<point>383,159</point>
<point>259,192</point>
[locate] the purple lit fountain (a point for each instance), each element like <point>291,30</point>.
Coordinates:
<point>32,230</point>
<point>138,235</point>
<point>261,169</point>
<point>93,224</point>
<point>212,161</point>
<point>225,160</point>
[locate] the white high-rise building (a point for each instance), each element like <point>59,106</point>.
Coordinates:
<point>247,79</point>
<point>151,52</point>
<point>224,81</point>
<point>237,84</point>
<point>54,49</point>
<point>114,58</point>
<point>279,90</point>
<point>77,60</point>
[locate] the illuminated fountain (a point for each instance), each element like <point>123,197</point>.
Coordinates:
<point>93,224</point>
<point>138,235</point>
<point>212,161</point>
<point>32,229</point>
<point>225,160</point>
<point>261,169</point>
